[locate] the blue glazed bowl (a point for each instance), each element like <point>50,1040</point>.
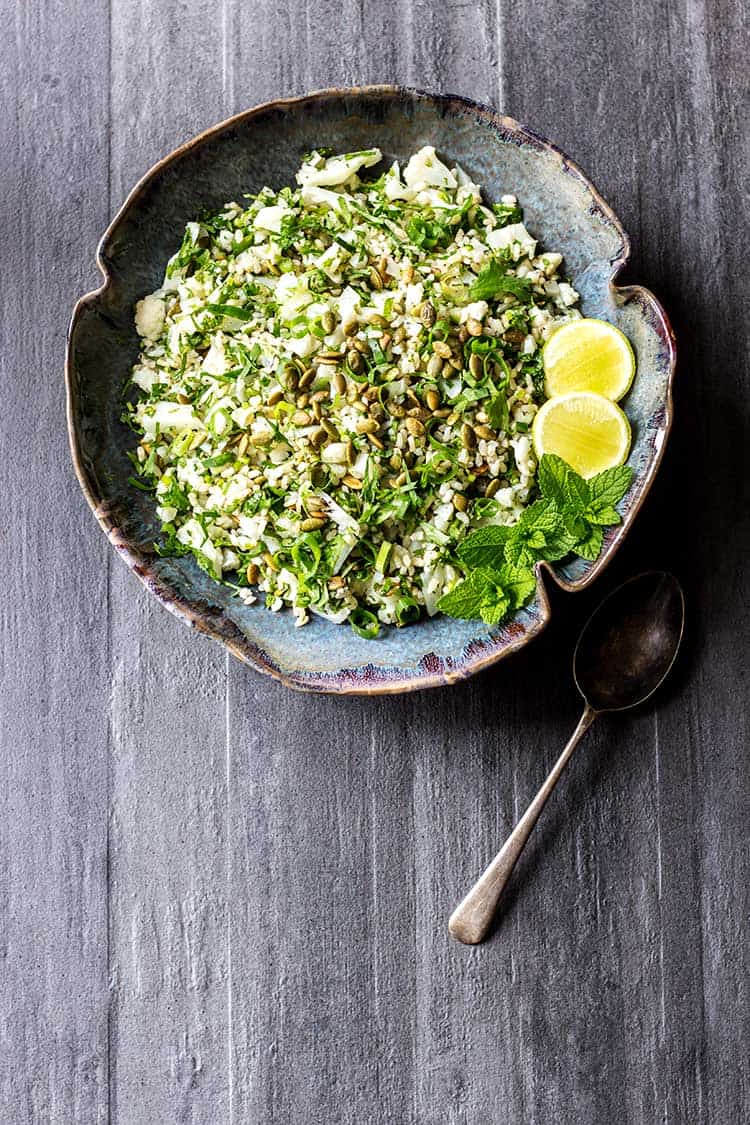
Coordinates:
<point>263,146</point>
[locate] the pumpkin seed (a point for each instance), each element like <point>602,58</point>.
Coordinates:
<point>328,357</point>
<point>338,383</point>
<point>367,426</point>
<point>275,396</point>
<point>307,378</point>
<point>354,359</point>
<point>302,401</point>
<point>301,418</point>
<point>415,427</point>
<point>427,314</point>
<point>291,377</point>
<point>375,440</point>
<point>432,398</point>
<point>328,322</point>
<point>317,410</point>
<point>442,349</point>
<point>434,366</point>
<point>269,560</point>
<point>484,432</point>
<point>317,437</point>
<point>263,438</point>
<point>329,428</point>
<point>314,523</point>
<point>376,280</point>
<point>474,327</point>
<point>352,482</point>
<point>468,437</point>
<point>476,366</point>
<point>242,445</point>
<point>460,503</point>
<point>252,573</point>
<point>396,410</point>
<point>492,488</point>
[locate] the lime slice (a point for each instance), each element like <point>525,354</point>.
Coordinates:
<point>588,355</point>
<point>587,430</point>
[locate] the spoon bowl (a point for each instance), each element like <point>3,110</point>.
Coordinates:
<point>630,642</point>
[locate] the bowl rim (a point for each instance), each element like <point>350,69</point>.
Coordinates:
<point>350,681</point>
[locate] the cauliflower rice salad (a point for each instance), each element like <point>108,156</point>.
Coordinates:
<point>337,383</point>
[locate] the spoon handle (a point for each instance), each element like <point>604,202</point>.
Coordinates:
<point>472,918</point>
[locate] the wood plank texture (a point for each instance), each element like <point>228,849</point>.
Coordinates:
<point>168,895</point>
<point>54,653</point>
<point>223,902</point>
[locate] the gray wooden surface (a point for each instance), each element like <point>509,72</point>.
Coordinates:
<point>224,902</point>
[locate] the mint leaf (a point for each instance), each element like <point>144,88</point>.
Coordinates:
<point>561,542</point>
<point>610,486</point>
<point>528,540</point>
<point>491,595</point>
<point>552,475</point>
<point>605,489</point>
<point>542,515</point>
<point>519,584</point>
<point>605,515</point>
<point>495,609</point>
<point>576,493</point>
<point>590,546</point>
<point>465,600</point>
<point>569,516</point>
<point>505,591</point>
<point>484,548</point>
<point>494,281</point>
<point>560,482</point>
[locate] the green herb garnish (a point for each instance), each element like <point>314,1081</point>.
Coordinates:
<point>568,518</point>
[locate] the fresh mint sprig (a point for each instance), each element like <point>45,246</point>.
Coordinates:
<point>569,517</point>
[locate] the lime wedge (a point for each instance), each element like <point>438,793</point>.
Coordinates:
<point>588,355</point>
<point>587,430</point>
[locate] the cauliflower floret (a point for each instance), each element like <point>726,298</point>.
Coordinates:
<point>149,317</point>
<point>338,169</point>
<point>424,170</point>
<point>270,218</point>
<point>514,236</point>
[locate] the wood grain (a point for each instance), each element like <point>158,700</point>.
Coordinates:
<point>54,655</point>
<point>168,909</point>
<point>225,902</point>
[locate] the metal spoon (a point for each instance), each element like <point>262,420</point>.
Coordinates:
<point>624,652</point>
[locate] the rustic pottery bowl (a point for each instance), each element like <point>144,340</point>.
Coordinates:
<point>263,146</point>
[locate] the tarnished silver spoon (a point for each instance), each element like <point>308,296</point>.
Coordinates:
<point>624,652</point>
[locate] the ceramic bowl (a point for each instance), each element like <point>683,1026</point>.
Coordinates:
<point>263,146</point>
